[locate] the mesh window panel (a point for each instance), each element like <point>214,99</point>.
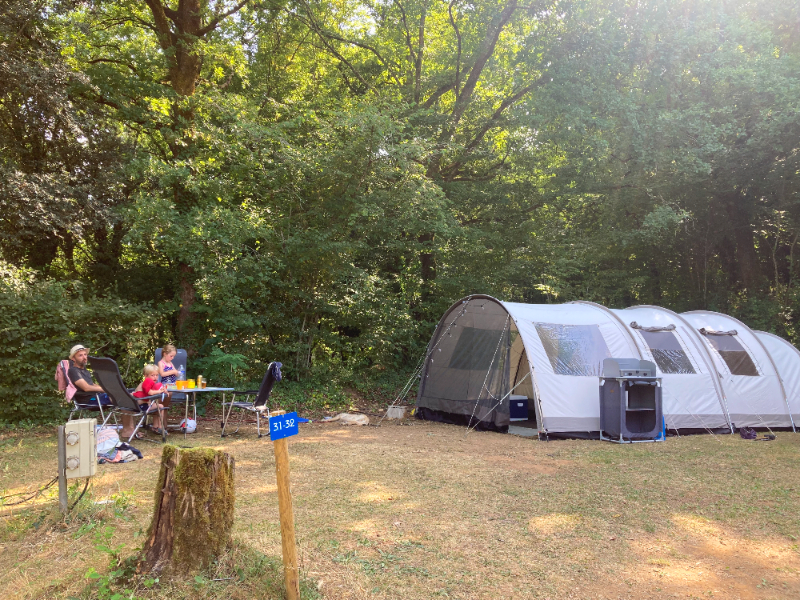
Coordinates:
<point>573,349</point>
<point>475,349</point>
<point>667,352</point>
<point>734,355</point>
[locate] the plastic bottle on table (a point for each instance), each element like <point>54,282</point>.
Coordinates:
<point>183,373</point>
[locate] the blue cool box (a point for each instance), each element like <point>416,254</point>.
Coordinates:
<point>518,409</point>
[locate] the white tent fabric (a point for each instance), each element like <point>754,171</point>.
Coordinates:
<point>753,389</point>
<point>565,373</point>
<point>484,350</point>
<point>692,397</point>
<point>787,360</point>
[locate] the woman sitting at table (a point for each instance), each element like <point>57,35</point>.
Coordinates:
<point>149,387</point>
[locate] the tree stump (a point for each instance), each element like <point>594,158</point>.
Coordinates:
<point>193,514</point>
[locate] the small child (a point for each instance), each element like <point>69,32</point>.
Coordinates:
<point>149,387</point>
<point>166,369</point>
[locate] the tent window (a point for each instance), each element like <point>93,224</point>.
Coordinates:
<point>667,352</point>
<point>734,355</point>
<point>475,349</point>
<point>573,349</point>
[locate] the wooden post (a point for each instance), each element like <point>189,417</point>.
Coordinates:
<point>288,543</point>
<point>62,469</point>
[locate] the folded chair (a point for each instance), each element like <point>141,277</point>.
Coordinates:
<point>81,407</point>
<point>123,402</point>
<point>257,406</point>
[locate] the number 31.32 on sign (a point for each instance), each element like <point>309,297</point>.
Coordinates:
<point>283,426</point>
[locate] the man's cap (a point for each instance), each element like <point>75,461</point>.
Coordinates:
<point>77,348</point>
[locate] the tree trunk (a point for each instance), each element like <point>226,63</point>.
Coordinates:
<point>750,275</point>
<point>187,295</point>
<point>427,261</point>
<point>749,266</point>
<point>180,32</point>
<point>193,514</point>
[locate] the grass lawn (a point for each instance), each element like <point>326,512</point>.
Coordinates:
<point>418,510</point>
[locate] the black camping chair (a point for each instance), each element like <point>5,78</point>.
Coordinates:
<point>122,401</point>
<point>259,405</point>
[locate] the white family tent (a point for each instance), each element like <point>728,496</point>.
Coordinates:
<point>716,374</point>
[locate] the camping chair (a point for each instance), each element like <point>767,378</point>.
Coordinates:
<point>180,360</point>
<point>259,405</point>
<point>81,407</point>
<point>122,401</point>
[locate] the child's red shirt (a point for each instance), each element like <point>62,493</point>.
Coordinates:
<point>147,386</point>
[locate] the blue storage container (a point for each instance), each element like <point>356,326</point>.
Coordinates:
<point>518,407</point>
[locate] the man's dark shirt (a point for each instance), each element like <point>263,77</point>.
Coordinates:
<point>76,373</point>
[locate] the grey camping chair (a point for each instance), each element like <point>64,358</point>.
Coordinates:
<point>122,401</point>
<point>82,407</point>
<point>257,406</point>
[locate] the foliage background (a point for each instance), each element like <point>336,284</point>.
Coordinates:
<point>315,182</point>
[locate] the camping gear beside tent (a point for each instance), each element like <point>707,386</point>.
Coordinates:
<point>630,401</point>
<point>484,351</point>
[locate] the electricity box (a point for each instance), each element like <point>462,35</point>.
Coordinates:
<point>81,448</point>
<point>630,401</point>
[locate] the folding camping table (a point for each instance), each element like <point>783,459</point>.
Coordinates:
<point>192,392</point>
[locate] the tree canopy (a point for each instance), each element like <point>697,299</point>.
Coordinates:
<point>316,181</point>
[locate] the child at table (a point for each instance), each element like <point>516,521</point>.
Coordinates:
<point>166,369</point>
<point>149,387</point>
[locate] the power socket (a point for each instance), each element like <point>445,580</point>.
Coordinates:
<point>81,448</point>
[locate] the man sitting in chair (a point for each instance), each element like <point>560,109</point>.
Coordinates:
<point>88,390</point>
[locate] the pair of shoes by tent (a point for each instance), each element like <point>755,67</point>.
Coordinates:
<point>748,433</point>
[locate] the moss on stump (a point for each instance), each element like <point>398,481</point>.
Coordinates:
<point>193,514</point>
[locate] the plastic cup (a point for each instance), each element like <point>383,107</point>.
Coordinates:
<point>180,384</point>
<point>203,385</point>
<point>190,384</point>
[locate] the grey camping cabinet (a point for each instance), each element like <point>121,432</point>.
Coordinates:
<point>630,401</point>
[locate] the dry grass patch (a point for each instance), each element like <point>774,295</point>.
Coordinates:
<point>419,510</point>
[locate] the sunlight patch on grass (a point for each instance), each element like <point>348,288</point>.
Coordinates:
<point>554,524</point>
<point>375,492</point>
<point>696,525</point>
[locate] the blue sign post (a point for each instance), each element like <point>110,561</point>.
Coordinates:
<point>283,426</point>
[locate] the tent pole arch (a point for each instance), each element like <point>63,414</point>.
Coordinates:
<point>779,373</point>
<point>763,347</point>
<point>619,321</point>
<point>705,353</point>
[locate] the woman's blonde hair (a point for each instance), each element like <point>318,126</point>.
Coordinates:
<point>167,349</point>
<point>149,369</point>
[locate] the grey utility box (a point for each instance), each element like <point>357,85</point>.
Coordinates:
<point>630,401</point>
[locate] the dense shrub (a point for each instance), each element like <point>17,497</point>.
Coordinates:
<point>41,320</point>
